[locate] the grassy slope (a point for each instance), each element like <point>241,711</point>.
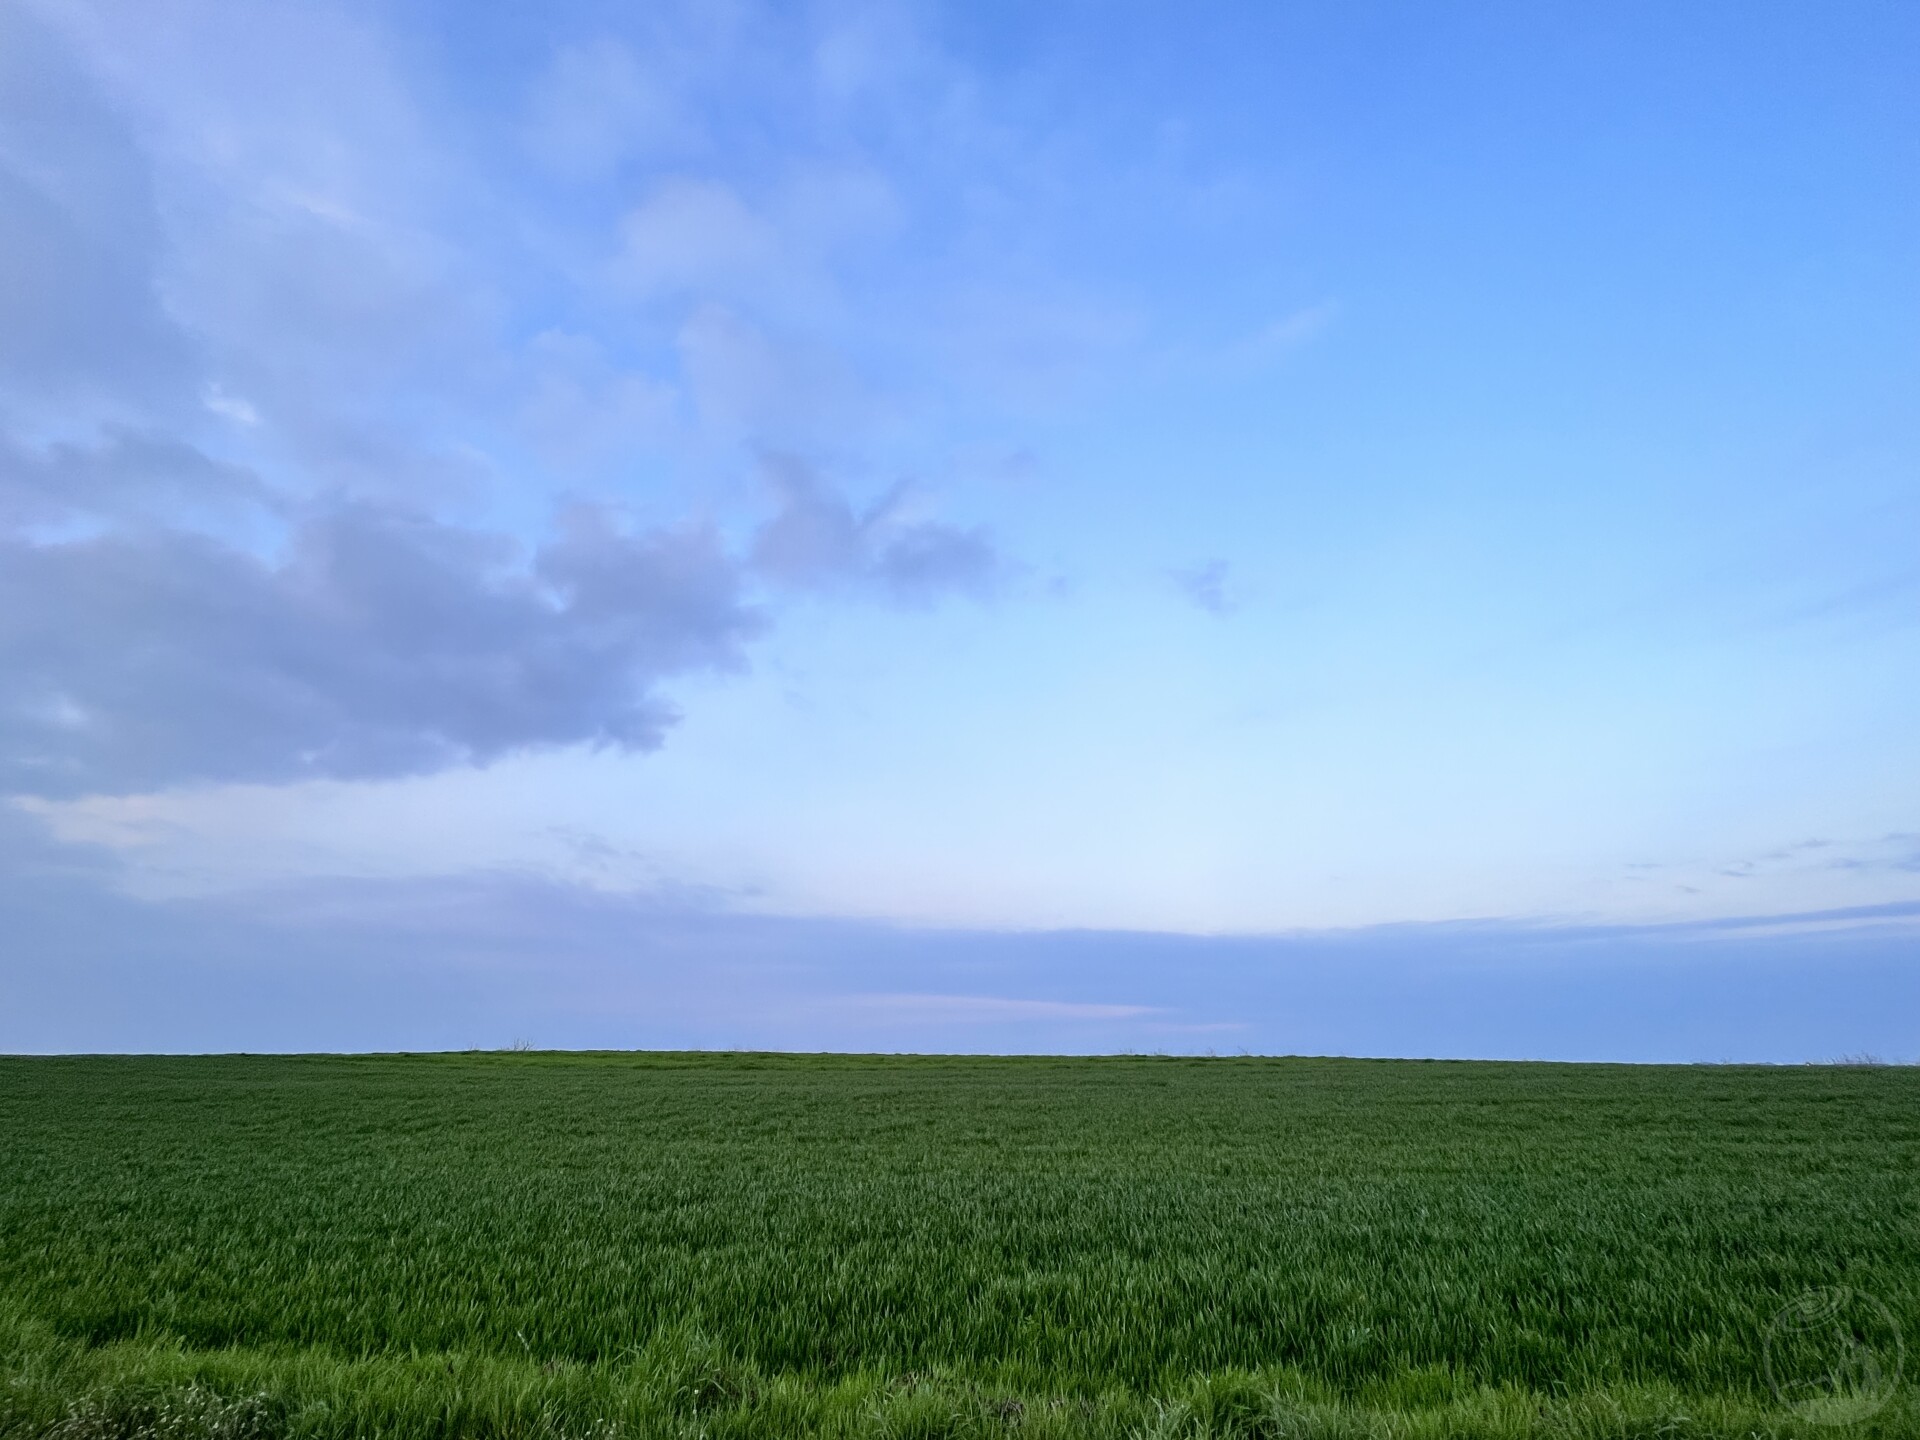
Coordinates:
<point>772,1245</point>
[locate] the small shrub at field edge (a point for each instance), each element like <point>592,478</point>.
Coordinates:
<point>552,1244</point>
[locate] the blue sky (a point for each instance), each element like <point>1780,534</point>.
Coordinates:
<point>1058,527</point>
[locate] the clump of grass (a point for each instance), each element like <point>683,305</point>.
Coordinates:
<point>190,1413</point>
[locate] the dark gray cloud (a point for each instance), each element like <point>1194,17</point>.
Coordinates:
<point>816,540</point>
<point>123,473</point>
<point>379,642</point>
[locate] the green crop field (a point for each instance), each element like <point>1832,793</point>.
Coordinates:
<point>724,1245</point>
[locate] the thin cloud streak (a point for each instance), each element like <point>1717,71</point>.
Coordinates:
<point>986,1008</point>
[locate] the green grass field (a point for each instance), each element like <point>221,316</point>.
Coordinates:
<point>773,1246</point>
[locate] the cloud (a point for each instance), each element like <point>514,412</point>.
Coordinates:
<point>1894,853</point>
<point>125,472</point>
<point>257,348</point>
<point>817,540</point>
<point>1205,584</point>
<point>80,317</point>
<point>596,106</point>
<point>481,958</point>
<point>1899,851</point>
<point>582,411</point>
<point>871,50</point>
<point>383,643</point>
<point>989,1009</point>
<point>757,390</point>
<point>694,235</point>
<point>236,408</point>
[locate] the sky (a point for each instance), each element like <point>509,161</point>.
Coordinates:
<point>1306,528</point>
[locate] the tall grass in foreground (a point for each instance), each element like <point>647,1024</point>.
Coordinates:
<point>753,1245</point>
